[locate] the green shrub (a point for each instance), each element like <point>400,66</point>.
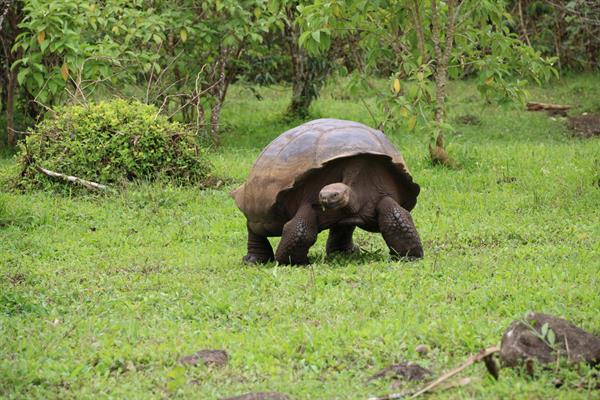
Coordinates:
<point>111,143</point>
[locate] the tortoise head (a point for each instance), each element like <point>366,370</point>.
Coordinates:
<point>335,196</point>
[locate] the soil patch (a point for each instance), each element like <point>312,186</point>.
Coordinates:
<point>585,125</point>
<point>409,371</point>
<point>468,119</point>
<point>260,396</point>
<point>216,358</point>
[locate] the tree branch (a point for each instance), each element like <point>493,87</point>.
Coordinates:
<point>73,179</point>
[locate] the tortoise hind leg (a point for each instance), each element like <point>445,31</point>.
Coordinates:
<point>398,230</point>
<point>298,235</point>
<point>340,240</point>
<point>259,249</point>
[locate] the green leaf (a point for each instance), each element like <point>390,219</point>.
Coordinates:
<point>44,45</point>
<point>22,74</point>
<point>316,35</point>
<point>39,78</point>
<point>551,337</point>
<point>544,329</point>
<point>303,38</point>
<point>273,6</point>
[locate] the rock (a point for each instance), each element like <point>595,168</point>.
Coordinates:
<point>216,358</point>
<point>259,396</point>
<point>540,337</point>
<point>422,349</point>
<point>409,371</point>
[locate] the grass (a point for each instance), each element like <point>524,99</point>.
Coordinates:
<point>99,297</point>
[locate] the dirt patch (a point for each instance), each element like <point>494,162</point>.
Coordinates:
<point>543,338</point>
<point>506,179</point>
<point>585,125</point>
<point>210,358</point>
<point>468,119</point>
<point>16,279</point>
<point>408,371</point>
<point>259,396</point>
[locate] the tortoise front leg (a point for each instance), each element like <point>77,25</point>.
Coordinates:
<point>259,249</point>
<point>298,235</point>
<point>340,240</point>
<point>398,230</point>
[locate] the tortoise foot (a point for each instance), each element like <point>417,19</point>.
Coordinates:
<point>253,259</point>
<point>294,261</point>
<point>414,255</point>
<point>354,249</point>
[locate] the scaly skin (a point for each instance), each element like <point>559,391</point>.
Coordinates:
<point>259,249</point>
<point>340,240</point>
<point>398,230</point>
<point>298,235</point>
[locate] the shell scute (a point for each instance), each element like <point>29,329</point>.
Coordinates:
<point>308,147</point>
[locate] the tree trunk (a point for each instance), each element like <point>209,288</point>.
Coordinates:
<point>301,97</point>
<point>523,26</point>
<point>11,137</point>
<point>215,115</point>
<point>418,23</point>
<point>438,153</point>
<point>218,94</point>
<point>300,100</point>
<point>442,56</point>
<point>308,73</point>
<point>8,35</point>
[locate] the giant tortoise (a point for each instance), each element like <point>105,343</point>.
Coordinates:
<point>328,174</point>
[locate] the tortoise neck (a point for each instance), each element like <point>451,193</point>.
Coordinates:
<point>353,205</point>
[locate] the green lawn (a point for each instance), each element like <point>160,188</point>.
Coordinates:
<point>99,297</point>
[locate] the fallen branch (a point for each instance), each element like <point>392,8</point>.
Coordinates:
<point>482,355</point>
<point>73,179</point>
<point>535,106</point>
<point>458,383</point>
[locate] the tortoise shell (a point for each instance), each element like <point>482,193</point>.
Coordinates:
<point>296,153</point>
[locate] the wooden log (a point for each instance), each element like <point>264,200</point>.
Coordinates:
<point>536,106</point>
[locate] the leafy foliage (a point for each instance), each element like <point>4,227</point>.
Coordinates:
<point>183,53</point>
<point>568,30</point>
<point>112,142</point>
<point>483,46</point>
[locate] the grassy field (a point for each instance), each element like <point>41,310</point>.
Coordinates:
<point>99,297</point>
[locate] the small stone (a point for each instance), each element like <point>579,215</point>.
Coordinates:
<point>557,382</point>
<point>422,349</point>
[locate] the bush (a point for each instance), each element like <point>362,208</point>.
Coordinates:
<point>110,143</point>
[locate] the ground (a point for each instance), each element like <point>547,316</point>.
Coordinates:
<point>99,297</point>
